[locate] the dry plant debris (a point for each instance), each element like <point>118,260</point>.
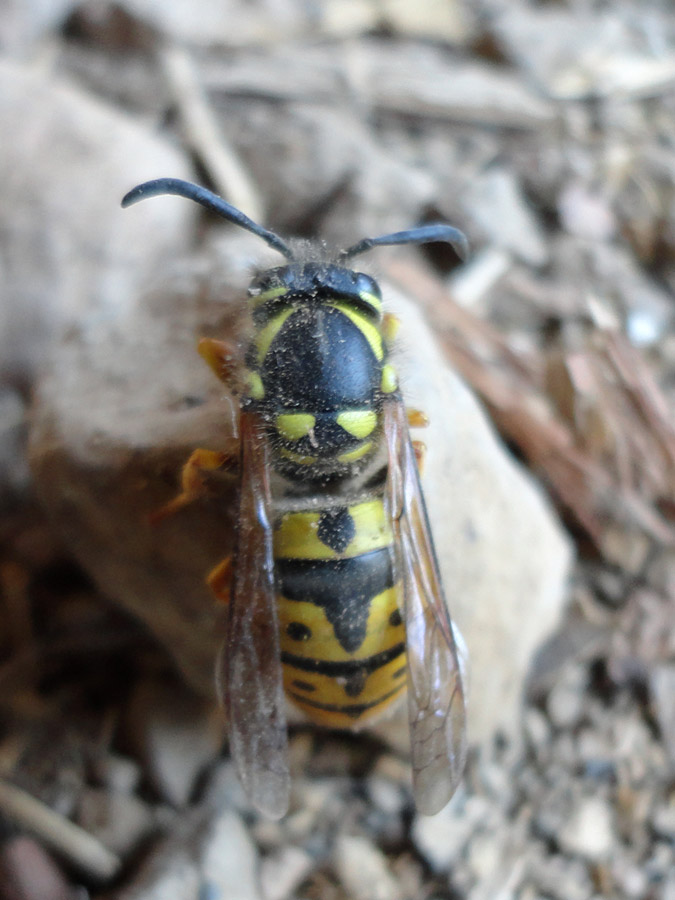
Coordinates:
<point>545,130</point>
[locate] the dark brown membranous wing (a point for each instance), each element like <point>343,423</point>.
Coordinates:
<point>250,672</point>
<point>435,692</point>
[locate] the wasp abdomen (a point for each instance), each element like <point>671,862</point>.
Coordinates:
<point>342,637</point>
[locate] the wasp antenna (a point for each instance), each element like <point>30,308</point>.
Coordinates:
<point>426,234</point>
<point>210,201</point>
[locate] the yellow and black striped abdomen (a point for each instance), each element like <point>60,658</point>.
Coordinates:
<point>342,639</point>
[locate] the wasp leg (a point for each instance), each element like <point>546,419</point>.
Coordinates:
<point>221,356</point>
<point>420,449</point>
<point>416,418</point>
<point>192,481</point>
<point>219,580</point>
<point>390,327</point>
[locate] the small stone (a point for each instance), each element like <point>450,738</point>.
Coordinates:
<point>662,685</point>
<point>223,789</point>
<point>627,548</point>
<point>283,872</point>
<point>470,284</point>
<point>585,214</point>
<point>663,821</point>
<point>27,872</point>
<point>561,878</point>
<point>566,703</point>
<point>589,831</point>
<point>206,856</point>
<point>24,26</point>
<point>643,328</point>
<point>630,880</point>
<point>661,861</point>
<point>495,780</point>
<point>363,870</point>
<point>229,860</point>
<point>177,733</point>
<point>638,293</point>
<point>592,745</point>
<point>496,197</point>
<point>486,854</point>
<point>661,570</point>
<point>564,753</point>
<point>119,773</point>
<point>119,821</point>
<point>552,810</point>
<point>633,742</point>
<point>667,891</point>
<point>385,795</point>
<point>446,21</point>
<point>537,728</point>
<point>441,839</point>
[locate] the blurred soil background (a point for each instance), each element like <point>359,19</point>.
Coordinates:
<point>545,131</point>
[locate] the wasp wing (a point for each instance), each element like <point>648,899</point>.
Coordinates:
<point>249,673</point>
<point>435,692</point>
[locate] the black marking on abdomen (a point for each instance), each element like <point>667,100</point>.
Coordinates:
<point>304,686</point>
<point>343,588</point>
<point>336,528</point>
<point>342,668</point>
<point>353,710</point>
<point>298,631</point>
<point>356,683</point>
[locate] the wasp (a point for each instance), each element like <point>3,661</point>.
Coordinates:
<point>334,593</point>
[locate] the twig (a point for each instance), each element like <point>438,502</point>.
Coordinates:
<point>62,835</point>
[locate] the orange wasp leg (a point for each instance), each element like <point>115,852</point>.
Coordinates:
<point>417,418</point>
<point>420,449</point>
<point>220,356</point>
<point>192,481</point>
<point>219,580</point>
<point>390,327</point>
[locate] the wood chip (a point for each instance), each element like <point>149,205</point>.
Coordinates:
<point>72,842</point>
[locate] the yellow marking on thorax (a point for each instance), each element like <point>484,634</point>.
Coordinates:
<point>357,453</point>
<point>294,426</point>
<point>271,294</point>
<point>390,327</point>
<point>266,335</point>
<point>358,422</point>
<point>389,379</point>
<point>298,458</point>
<point>367,329</point>
<point>371,300</point>
<point>256,390</point>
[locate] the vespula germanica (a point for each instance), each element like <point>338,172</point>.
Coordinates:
<point>335,597</point>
